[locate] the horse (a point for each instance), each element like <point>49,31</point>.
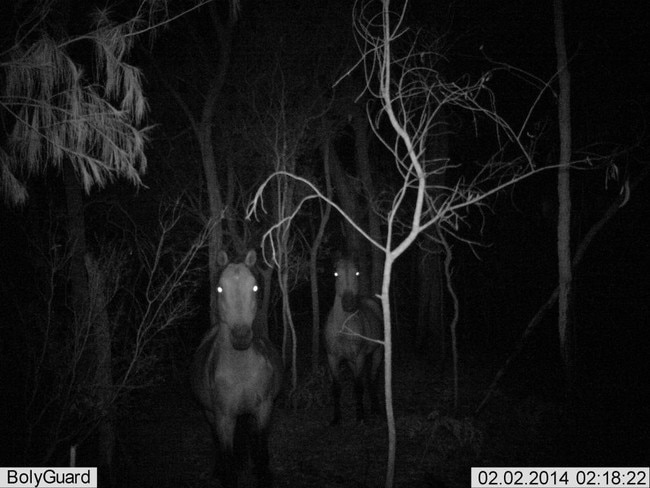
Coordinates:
<point>353,335</point>
<point>236,377</point>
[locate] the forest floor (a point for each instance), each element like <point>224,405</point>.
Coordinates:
<point>165,441</point>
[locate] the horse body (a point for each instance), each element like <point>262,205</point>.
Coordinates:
<point>237,376</point>
<point>352,334</point>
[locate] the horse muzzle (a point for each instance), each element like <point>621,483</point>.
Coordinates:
<point>350,302</point>
<point>241,337</point>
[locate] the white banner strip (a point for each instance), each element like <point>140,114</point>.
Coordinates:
<point>528,477</point>
<point>48,477</point>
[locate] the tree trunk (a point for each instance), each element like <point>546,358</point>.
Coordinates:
<point>348,201</point>
<point>215,242</point>
<point>205,132</point>
<point>95,363</point>
<point>104,394</point>
<point>575,262</point>
<point>77,241</point>
<point>263,315</point>
<point>361,127</point>
<point>97,354</point>
<point>431,333</point>
<point>388,370</point>
<point>313,261</point>
<point>564,197</point>
<point>289,327</point>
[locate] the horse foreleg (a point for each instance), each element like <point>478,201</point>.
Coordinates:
<point>358,395</point>
<point>226,467</point>
<point>260,445</point>
<point>336,389</point>
<point>359,367</point>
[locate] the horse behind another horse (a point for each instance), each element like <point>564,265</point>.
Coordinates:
<point>353,335</point>
<point>236,376</point>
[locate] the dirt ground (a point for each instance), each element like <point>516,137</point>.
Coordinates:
<point>165,441</point>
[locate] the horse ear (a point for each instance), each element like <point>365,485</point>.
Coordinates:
<point>251,257</point>
<point>222,258</point>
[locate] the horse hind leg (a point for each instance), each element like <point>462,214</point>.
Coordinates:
<point>260,454</point>
<point>336,397</point>
<point>358,370</point>
<point>336,389</point>
<point>373,380</point>
<point>358,395</point>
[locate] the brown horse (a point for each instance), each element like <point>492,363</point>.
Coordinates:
<point>236,377</point>
<point>352,335</point>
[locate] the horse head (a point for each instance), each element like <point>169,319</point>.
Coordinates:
<point>237,299</point>
<point>347,284</point>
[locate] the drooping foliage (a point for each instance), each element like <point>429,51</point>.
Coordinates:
<point>58,106</point>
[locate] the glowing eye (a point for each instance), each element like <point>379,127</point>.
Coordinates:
<point>356,274</point>
<point>219,289</point>
<point>336,274</point>
<point>255,288</point>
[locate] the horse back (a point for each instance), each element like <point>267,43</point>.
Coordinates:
<point>373,318</point>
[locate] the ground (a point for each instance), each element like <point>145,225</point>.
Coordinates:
<point>165,441</point>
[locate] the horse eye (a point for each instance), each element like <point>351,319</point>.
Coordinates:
<point>219,289</point>
<point>255,288</point>
<point>357,273</point>
<point>336,274</point>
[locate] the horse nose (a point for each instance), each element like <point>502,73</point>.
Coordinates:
<point>350,302</point>
<point>241,337</point>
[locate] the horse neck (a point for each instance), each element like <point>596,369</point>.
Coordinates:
<point>224,349</point>
<point>222,331</point>
<point>222,335</point>
<point>337,308</point>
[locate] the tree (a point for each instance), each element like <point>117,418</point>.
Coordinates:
<point>80,114</point>
<point>410,94</point>
<point>86,126</point>
<point>57,114</point>
<point>201,116</point>
<point>360,188</point>
<point>271,121</point>
<point>597,156</point>
<point>139,287</point>
<point>282,108</point>
<point>313,263</point>
<point>564,197</point>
